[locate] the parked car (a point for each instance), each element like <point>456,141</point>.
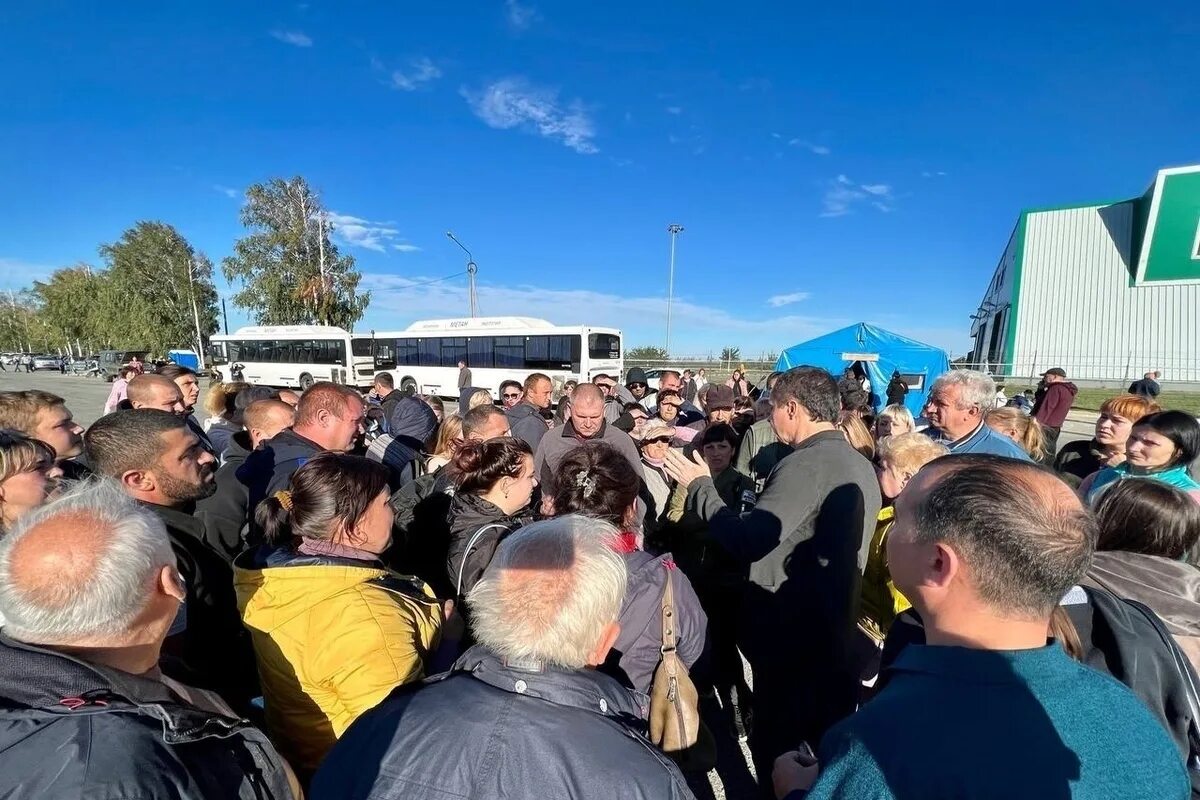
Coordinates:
<point>46,362</point>
<point>112,360</point>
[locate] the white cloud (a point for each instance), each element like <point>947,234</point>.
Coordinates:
<point>399,300</point>
<point>675,110</point>
<point>423,71</point>
<point>520,17</point>
<point>815,149</point>
<point>843,195</point>
<point>227,191</point>
<point>405,247</point>
<point>358,232</point>
<point>514,102</point>
<point>295,38</point>
<point>780,300</point>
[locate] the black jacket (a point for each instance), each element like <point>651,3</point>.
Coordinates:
<point>1146,387</point>
<point>421,531</point>
<point>897,390</point>
<point>269,469</point>
<point>214,647</point>
<point>491,729</point>
<point>476,529</point>
<point>225,514</point>
<point>70,730</point>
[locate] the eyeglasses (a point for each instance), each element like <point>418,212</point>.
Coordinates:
<point>637,385</point>
<point>511,396</point>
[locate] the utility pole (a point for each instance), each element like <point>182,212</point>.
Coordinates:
<point>195,313</point>
<point>472,299</point>
<point>674,230</point>
<point>224,316</point>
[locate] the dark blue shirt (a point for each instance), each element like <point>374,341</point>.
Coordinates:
<point>953,722</point>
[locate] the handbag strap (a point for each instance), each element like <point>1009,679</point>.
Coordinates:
<point>668,617</point>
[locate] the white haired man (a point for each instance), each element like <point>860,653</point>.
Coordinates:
<point>955,409</point>
<point>89,590</point>
<point>523,714</point>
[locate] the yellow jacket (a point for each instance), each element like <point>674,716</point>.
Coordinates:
<point>881,600</point>
<point>331,641</point>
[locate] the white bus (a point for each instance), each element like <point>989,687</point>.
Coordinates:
<point>294,356</point>
<point>424,357</point>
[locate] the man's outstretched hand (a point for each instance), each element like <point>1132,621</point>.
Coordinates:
<point>685,470</point>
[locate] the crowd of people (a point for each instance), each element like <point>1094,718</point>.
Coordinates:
<point>550,591</point>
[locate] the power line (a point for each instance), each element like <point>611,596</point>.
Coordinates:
<point>435,280</point>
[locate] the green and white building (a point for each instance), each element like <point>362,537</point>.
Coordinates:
<point>1106,291</point>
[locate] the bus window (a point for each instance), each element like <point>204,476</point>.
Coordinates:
<point>479,351</point>
<point>604,345</point>
<point>360,346</point>
<point>385,355</point>
<point>510,352</point>
<point>454,348</point>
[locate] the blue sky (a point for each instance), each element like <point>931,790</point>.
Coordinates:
<point>830,165</point>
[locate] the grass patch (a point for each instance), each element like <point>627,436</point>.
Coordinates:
<point>1091,399</point>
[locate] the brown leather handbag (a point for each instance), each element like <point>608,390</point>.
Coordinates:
<point>675,724</point>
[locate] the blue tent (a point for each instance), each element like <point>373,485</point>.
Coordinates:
<point>880,352</point>
<point>185,358</point>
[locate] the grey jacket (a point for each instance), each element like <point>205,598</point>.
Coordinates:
<point>526,423</point>
<point>807,536</point>
<point>559,442</point>
<point>759,452</point>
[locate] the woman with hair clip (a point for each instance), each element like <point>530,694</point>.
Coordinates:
<point>333,630</point>
<point>1021,428</point>
<point>1161,447</point>
<point>598,482</point>
<point>28,476</point>
<point>493,483</point>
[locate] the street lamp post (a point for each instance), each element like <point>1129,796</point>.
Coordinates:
<point>674,230</point>
<point>471,270</point>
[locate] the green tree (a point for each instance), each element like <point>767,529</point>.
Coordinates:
<point>731,353</point>
<point>20,324</point>
<point>647,352</point>
<point>290,272</point>
<point>73,305</point>
<point>158,290</point>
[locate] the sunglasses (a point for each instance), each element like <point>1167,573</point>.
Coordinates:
<point>659,440</point>
<point>511,396</point>
<point>636,385</point>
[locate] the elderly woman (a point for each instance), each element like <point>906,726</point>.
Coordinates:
<point>669,403</point>
<point>653,440</point>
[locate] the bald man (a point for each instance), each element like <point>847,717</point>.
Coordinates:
<point>156,391</point>
<point>985,548</point>
<point>225,514</point>
<point>86,621</point>
<point>587,424</point>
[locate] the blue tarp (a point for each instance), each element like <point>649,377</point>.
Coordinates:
<point>837,350</point>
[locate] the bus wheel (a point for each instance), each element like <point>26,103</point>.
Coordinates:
<point>408,387</point>
<point>306,382</point>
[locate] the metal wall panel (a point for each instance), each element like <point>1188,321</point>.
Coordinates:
<point>1079,310</point>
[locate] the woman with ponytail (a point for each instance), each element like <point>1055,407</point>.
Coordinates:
<point>493,482</point>
<point>1021,428</point>
<point>334,631</point>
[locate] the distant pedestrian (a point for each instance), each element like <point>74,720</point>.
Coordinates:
<point>1051,405</point>
<point>738,383</point>
<point>1147,387</point>
<point>119,390</point>
<point>897,390</point>
<point>464,375</point>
